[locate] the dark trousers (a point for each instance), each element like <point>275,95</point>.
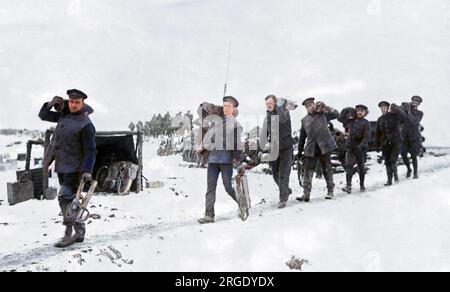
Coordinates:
<point>391,153</point>
<point>69,183</point>
<point>214,169</point>
<point>311,164</point>
<point>353,158</point>
<point>281,170</point>
<point>407,161</point>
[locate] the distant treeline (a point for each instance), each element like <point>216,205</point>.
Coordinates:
<point>35,134</point>
<point>160,125</point>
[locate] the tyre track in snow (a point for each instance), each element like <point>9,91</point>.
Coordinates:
<point>29,257</point>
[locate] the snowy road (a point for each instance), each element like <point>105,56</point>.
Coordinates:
<point>401,228</point>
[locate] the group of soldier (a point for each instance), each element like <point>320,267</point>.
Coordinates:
<point>73,147</point>
<point>397,132</point>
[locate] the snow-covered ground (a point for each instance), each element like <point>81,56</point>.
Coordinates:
<point>404,227</point>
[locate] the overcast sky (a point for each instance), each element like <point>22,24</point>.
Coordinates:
<point>136,58</point>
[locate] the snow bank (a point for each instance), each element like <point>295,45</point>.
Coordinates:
<point>386,229</point>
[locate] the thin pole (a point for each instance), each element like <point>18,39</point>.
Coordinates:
<point>228,70</point>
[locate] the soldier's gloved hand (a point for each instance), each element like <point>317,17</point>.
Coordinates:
<point>320,107</point>
<point>55,101</point>
<point>281,102</point>
<point>86,176</point>
<point>241,170</point>
<point>200,151</point>
<point>321,104</point>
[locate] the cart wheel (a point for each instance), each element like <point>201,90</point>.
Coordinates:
<point>102,178</point>
<point>124,182</point>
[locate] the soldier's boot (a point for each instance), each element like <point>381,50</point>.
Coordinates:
<point>282,204</point>
<point>416,168</point>
<point>206,220</point>
<point>407,164</point>
<point>72,240</point>
<point>390,175</point>
<point>305,198</point>
<point>307,183</point>
<point>395,172</point>
<point>330,186</point>
<point>284,199</point>
<point>80,233</point>
<point>347,189</point>
<point>408,172</point>
<point>64,242</point>
<point>330,195</point>
<point>349,176</point>
<point>362,179</point>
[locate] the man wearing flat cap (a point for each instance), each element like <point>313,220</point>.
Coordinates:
<point>388,137</point>
<point>73,149</point>
<point>358,130</point>
<point>316,144</point>
<point>225,148</point>
<point>412,138</point>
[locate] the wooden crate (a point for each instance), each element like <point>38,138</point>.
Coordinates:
<point>20,192</point>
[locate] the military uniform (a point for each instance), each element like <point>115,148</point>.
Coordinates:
<point>389,139</point>
<point>221,160</point>
<point>317,143</point>
<point>73,149</point>
<point>359,131</point>
<point>282,166</point>
<point>412,139</point>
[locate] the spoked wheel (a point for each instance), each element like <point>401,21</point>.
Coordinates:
<point>102,178</point>
<point>124,182</point>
